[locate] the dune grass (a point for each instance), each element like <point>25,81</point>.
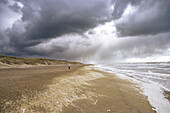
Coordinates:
<point>32,61</point>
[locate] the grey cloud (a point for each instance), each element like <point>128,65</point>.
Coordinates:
<point>152,17</point>
<point>15,7</point>
<point>7,16</point>
<point>120,6</point>
<point>139,47</point>
<point>46,19</point>
<point>146,31</point>
<point>47,51</point>
<point>91,32</point>
<point>66,48</point>
<point>4,1</point>
<point>55,18</point>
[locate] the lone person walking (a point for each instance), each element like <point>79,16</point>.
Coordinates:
<point>69,67</point>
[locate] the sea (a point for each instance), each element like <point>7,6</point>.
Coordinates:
<point>152,77</point>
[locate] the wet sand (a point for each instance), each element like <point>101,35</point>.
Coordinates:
<point>113,95</point>
<point>82,90</point>
<point>167,95</point>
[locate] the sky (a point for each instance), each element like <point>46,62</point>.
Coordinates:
<point>90,31</point>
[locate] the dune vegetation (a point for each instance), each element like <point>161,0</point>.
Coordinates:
<point>32,61</point>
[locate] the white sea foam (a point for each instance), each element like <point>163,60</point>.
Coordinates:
<point>149,81</point>
<point>156,97</point>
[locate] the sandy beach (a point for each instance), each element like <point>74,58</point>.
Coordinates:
<point>46,89</point>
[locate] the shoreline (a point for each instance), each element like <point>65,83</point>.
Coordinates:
<point>84,90</point>
<point>157,96</point>
<point>167,94</point>
<point>114,95</point>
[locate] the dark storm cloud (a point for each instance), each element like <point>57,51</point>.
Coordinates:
<point>15,7</point>
<point>91,32</point>
<point>57,28</point>
<point>5,13</point>
<point>46,19</point>
<point>151,17</point>
<point>55,18</point>
<point>120,6</point>
<point>3,1</point>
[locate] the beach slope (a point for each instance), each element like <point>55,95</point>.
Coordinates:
<point>82,90</point>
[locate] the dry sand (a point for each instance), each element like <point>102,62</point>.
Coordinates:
<point>27,80</point>
<point>47,89</point>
